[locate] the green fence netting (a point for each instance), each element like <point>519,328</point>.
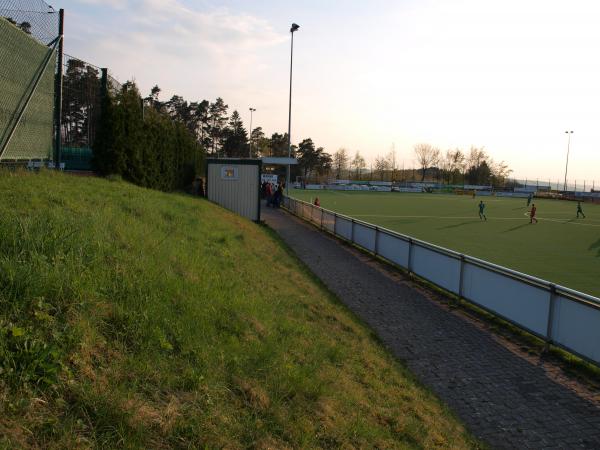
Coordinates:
<point>27,69</point>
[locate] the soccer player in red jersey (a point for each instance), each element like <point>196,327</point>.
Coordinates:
<point>532,214</point>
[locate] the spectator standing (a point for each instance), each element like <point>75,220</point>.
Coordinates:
<point>278,195</point>
<point>269,194</point>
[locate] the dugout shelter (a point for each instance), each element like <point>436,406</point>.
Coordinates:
<point>235,185</point>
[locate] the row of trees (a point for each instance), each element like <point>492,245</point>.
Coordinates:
<point>144,146</point>
<point>224,135</point>
<point>163,144</point>
<point>220,134</point>
<point>454,166</point>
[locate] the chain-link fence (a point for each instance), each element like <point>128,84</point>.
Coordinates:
<point>28,43</point>
<point>83,87</point>
<point>81,109</point>
<point>34,17</point>
<point>112,85</point>
<point>50,103</point>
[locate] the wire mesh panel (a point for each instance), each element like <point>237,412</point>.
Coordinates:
<point>34,17</point>
<point>112,85</point>
<point>81,107</point>
<point>27,72</point>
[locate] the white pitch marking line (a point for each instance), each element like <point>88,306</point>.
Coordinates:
<point>431,217</point>
<point>474,218</point>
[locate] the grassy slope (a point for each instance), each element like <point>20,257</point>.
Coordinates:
<point>132,318</point>
<point>561,248</point>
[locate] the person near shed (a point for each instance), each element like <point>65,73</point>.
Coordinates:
<point>279,195</point>
<point>263,190</point>
<point>269,194</point>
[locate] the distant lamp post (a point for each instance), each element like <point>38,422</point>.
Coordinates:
<point>294,28</point>
<point>569,133</point>
<point>251,111</point>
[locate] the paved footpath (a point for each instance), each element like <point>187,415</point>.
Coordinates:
<point>502,398</point>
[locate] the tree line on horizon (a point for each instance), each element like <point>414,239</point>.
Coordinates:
<point>166,144</point>
<point>454,166</point>
<point>225,136</point>
<point>221,134</point>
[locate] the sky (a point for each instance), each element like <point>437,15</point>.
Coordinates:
<point>510,76</point>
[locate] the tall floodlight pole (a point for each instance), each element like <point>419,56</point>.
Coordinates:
<point>251,111</point>
<point>287,180</point>
<point>569,133</point>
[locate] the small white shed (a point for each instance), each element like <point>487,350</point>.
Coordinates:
<point>235,184</point>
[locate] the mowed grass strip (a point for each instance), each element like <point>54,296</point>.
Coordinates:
<point>561,248</point>
<point>136,319</point>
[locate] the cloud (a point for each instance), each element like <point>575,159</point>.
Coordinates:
<point>115,4</point>
<point>167,42</point>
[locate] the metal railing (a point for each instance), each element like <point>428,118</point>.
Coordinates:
<point>560,316</point>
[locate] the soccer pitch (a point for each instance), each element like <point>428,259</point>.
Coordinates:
<point>560,248</point>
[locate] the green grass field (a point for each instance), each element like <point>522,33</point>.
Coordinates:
<point>131,318</point>
<point>560,248</point>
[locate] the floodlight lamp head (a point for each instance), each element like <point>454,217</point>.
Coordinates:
<point>294,27</point>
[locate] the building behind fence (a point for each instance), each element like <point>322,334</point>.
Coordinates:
<point>50,103</point>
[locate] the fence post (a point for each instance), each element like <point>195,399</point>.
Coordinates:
<point>58,91</point>
<point>550,317</point>
<point>322,218</point>
<point>461,279</point>
<point>352,232</point>
<point>410,251</point>
<point>104,82</point>
<point>335,224</point>
<point>376,241</point>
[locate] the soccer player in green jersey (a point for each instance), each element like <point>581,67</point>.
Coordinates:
<point>481,211</point>
<point>579,210</point>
